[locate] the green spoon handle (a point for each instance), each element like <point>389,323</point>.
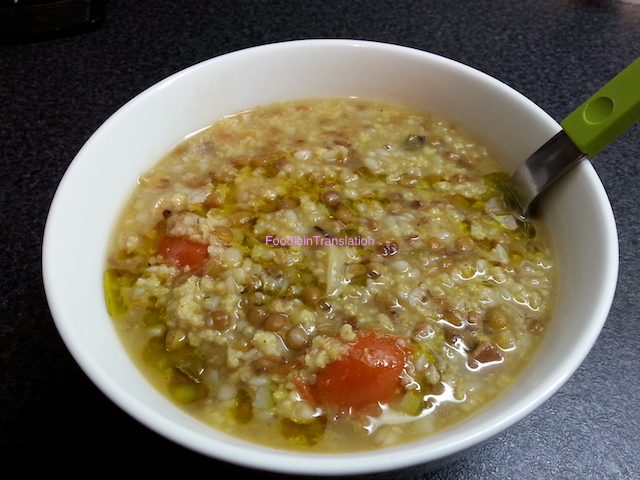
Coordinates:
<point>607,114</point>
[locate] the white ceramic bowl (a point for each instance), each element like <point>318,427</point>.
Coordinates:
<point>104,173</point>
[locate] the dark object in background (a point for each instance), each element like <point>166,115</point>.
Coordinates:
<point>33,20</point>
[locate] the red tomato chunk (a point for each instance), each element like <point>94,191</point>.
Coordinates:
<point>183,252</point>
<point>367,375</point>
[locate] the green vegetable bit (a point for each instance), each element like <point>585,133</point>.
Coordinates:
<point>303,433</point>
<point>198,209</point>
<point>156,356</point>
<point>412,403</point>
<point>182,370</point>
<point>154,316</point>
<point>242,409</point>
<point>115,281</point>
<point>185,390</point>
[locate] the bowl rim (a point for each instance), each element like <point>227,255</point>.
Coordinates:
<point>313,464</point>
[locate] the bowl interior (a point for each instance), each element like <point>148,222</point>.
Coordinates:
<point>105,171</point>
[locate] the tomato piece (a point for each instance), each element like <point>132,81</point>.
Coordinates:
<point>184,252</point>
<point>368,374</point>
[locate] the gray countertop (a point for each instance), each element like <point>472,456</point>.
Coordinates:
<point>55,92</point>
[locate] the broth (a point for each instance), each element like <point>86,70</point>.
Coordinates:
<point>342,272</point>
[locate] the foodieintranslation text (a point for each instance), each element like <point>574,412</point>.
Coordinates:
<point>316,240</point>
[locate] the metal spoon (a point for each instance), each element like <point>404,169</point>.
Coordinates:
<point>585,132</point>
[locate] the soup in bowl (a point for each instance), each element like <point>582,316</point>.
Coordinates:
<point>304,251</point>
